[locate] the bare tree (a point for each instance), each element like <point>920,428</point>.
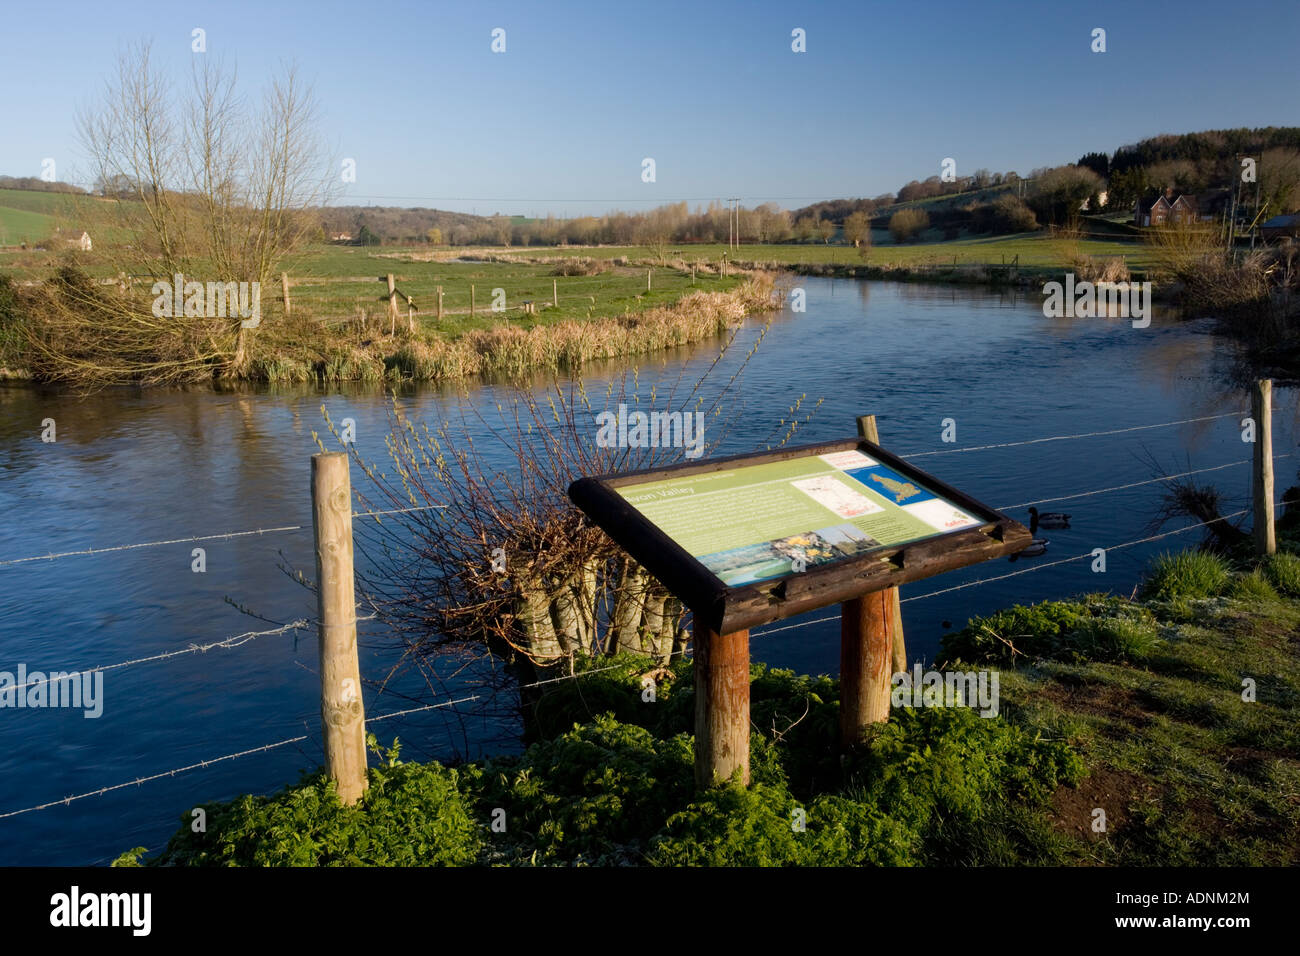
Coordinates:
<point>217,189</point>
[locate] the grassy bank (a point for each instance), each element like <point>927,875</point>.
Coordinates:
<point>1132,707</point>
<point>84,333</point>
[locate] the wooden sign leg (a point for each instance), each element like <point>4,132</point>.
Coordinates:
<point>721,707</point>
<point>866,665</point>
<point>867,429</point>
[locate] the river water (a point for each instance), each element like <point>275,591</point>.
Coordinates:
<point>132,466</point>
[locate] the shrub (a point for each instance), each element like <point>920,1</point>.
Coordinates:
<point>1283,570</point>
<point>1186,574</point>
<point>594,794</point>
<point>1091,269</point>
<point>760,826</point>
<point>10,331</point>
<point>1254,587</point>
<point>1114,639</point>
<point>582,266</point>
<point>953,778</point>
<point>412,815</point>
<point>1010,214</point>
<point>908,223</point>
<point>1004,635</point>
<point>933,785</point>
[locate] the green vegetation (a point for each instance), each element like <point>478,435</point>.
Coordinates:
<point>76,330</point>
<point>1187,574</point>
<point>1176,716</point>
<point>908,224</point>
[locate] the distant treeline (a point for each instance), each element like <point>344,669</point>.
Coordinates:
<point>984,201</point>
<point>394,224</point>
<point>36,184</point>
<point>1205,161</point>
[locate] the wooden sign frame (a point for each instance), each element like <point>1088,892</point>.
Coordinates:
<point>727,609</point>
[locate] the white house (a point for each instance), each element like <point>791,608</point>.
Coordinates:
<point>81,242</point>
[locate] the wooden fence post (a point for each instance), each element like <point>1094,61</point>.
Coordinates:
<point>555,292</point>
<point>410,314</point>
<point>866,642</point>
<point>343,722</point>
<point>471,301</point>
<point>1261,409</point>
<point>647,280</point>
<point>284,289</point>
<point>721,668</point>
<point>867,429</point>
<point>392,304</point>
<point>439,303</point>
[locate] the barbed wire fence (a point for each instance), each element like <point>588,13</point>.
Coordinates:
<point>305,625</point>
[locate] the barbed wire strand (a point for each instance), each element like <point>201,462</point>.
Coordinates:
<point>1036,441</point>
<point>1012,574</point>
<point>1134,484</point>
<point>205,537</point>
<point>236,641</point>
<point>207,763</point>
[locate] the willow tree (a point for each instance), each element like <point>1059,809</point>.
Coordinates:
<point>495,564</point>
<point>205,183</point>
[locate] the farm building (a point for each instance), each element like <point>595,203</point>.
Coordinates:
<point>74,241</point>
<point>1280,227</point>
<point>1166,207</point>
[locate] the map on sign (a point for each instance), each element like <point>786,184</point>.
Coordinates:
<point>758,522</point>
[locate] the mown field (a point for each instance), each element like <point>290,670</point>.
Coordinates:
<point>317,275</point>
<point>1035,249</point>
<point>336,283</point>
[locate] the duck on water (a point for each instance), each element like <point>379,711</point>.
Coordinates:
<point>1045,519</point>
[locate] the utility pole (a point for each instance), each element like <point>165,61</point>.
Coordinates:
<point>734,231</point>
<point>1236,201</point>
<point>1255,224</point>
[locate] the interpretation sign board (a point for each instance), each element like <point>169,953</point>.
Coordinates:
<point>756,538</point>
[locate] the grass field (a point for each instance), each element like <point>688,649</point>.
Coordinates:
<point>19,225</point>
<point>1035,250</point>
<point>335,282</point>
<point>319,286</point>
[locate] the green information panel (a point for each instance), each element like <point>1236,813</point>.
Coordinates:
<point>759,522</point>
<point>755,538</point>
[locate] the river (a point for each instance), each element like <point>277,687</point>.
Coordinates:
<point>133,466</point>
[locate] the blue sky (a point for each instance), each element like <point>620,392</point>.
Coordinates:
<point>561,121</point>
